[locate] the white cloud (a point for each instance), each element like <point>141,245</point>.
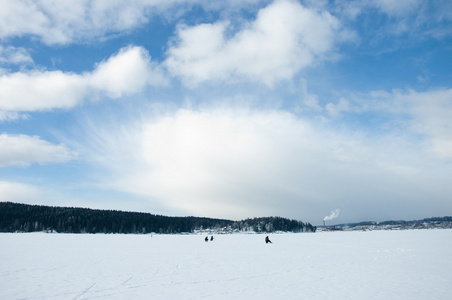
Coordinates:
<point>64,22</point>
<point>125,73</point>
<point>353,8</point>
<point>11,116</point>
<point>424,114</point>
<point>23,150</point>
<point>14,55</point>
<point>397,7</point>
<point>38,90</point>
<point>335,109</point>
<point>284,38</point>
<point>350,9</point>
<point>415,18</point>
<point>19,17</point>
<point>236,163</point>
<point>309,100</point>
<point>432,116</point>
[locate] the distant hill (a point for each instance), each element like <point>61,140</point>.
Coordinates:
<point>403,223</point>
<point>15,217</point>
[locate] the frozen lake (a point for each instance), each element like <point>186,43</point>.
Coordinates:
<point>411,264</point>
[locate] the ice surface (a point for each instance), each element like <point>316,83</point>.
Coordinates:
<point>332,265</point>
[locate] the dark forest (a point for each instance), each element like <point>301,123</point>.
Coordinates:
<point>16,217</point>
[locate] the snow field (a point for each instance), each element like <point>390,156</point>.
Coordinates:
<point>332,265</point>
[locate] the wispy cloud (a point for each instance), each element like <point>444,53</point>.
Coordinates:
<point>424,115</point>
<point>65,22</point>
<point>431,113</point>
<point>415,18</point>
<point>14,55</point>
<point>6,116</point>
<point>23,150</point>
<point>231,162</point>
<point>397,7</point>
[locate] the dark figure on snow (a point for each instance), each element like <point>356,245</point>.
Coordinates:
<point>206,239</point>
<point>267,240</point>
<point>211,238</point>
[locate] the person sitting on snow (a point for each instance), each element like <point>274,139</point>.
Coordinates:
<point>267,240</point>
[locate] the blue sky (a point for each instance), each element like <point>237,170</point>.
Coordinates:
<point>229,109</point>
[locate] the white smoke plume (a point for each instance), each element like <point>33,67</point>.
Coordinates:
<point>334,214</point>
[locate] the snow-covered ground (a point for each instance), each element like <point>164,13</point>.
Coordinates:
<point>332,265</point>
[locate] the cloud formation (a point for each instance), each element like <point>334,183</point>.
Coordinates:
<point>125,73</point>
<point>398,7</point>
<point>11,116</point>
<point>14,55</point>
<point>247,138</point>
<point>66,22</point>
<point>23,150</point>
<point>424,115</point>
<point>230,162</point>
<point>431,112</point>
<point>276,45</point>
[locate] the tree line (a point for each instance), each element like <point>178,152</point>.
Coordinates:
<point>272,224</point>
<point>15,217</point>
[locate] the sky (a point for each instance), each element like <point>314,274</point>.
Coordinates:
<point>309,110</point>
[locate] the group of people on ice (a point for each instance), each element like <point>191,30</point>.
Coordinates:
<point>267,239</point>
